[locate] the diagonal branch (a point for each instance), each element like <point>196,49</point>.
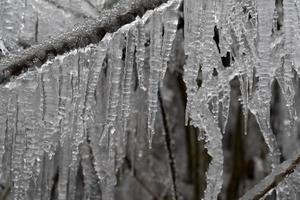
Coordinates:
<point>169,145</point>
<point>91,32</point>
<point>273,179</point>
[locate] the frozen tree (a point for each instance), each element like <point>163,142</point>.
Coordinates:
<point>149,99</point>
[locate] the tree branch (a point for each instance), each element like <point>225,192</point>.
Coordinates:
<point>168,142</point>
<point>273,179</point>
<point>91,32</point>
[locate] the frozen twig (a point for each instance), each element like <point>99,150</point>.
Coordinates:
<point>92,31</point>
<point>273,179</point>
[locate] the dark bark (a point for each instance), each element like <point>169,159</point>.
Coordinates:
<point>273,179</point>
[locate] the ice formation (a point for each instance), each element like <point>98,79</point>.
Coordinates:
<point>83,101</point>
<point>245,31</point>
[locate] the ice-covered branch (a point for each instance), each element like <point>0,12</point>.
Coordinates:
<point>273,179</point>
<point>92,31</point>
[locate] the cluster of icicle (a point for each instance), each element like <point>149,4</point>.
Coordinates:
<point>245,31</point>
<point>85,96</point>
<point>91,95</point>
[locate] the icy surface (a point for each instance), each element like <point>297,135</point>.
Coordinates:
<point>93,112</point>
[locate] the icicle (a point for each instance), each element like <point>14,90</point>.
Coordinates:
<point>49,109</point>
<point>290,28</point>
<point>243,21</point>
<point>170,22</point>
<point>65,157</point>
<point>192,33</point>
<point>210,61</point>
<point>155,62</point>
<point>90,119</point>
<point>97,59</point>
<point>224,24</point>
<point>131,43</point>
<point>22,126</point>
<point>99,139</point>
<point>285,76</point>
<point>203,119</point>
<point>115,62</point>
<point>91,190</point>
<point>28,116</point>
<point>65,91</point>
<point>3,129</point>
<point>163,26</point>
<point>297,37</point>
<point>18,148</point>
<point>245,98</point>
<point>203,105</point>
<point>111,133</point>
<point>77,115</point>
<point>225,98</point>
<point>141,49</point>
<point>260,102</point>
<point>87,119</point>
<point>79,103</point>
<point>285,79</point>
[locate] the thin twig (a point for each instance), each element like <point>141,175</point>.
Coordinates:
<point>92,6</point>
<point>273,179</point>
<point>168,144</point>
<point>91,32</point>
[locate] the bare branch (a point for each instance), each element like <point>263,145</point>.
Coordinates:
<point>91,32</point>
<point>273,179</point>
<point>168,142</point>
